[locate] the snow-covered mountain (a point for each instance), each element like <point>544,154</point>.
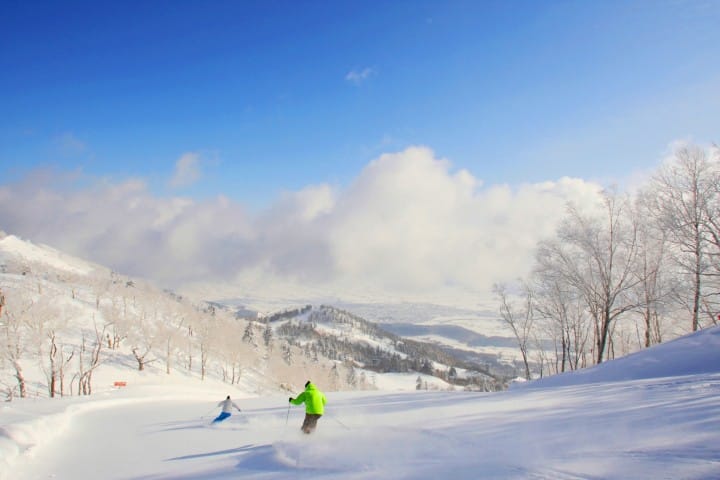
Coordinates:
<point>343,336</point>
<point>476,335</point>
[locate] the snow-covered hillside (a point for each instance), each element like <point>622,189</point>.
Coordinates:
<point>663,423</point>
<point>17,254</point>
<point>70,327</point>
<point>473,334</point>
<point>453,331</point>
<point>697,353</point>
<point>343,336</point>
<point>479,333</point>
<point>74,328</point>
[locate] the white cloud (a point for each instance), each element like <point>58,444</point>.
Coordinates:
<point>408,227</point>
<point>359,76</point>
<point>69,145</point>
<point>412,224</point>
<point>187,170</point>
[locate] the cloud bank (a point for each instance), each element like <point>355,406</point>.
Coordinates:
<point>408,227</point>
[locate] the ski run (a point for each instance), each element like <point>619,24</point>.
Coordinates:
<point>651,415</point>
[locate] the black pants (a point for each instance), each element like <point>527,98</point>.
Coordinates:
<point>310,422</point>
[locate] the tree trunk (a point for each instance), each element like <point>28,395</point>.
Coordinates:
<point>53,366</point>
<point>203,361</point>
<point>167,358</point>
<point>140,359</point>
<point>20,379</point>
<point>696,296</point>
<point>601,344</point>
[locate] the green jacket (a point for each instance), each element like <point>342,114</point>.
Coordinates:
<point>313,398</point>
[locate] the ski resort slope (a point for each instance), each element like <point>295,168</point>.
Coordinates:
<point>660,426</point>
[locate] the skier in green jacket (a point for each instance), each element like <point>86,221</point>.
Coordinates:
<point>314,401</point>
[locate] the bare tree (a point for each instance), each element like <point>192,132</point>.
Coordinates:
<point>595,255</point>
<point>64,361</point>
<point>683,191</point>
<point>143,337</point>
<point>89,358</point>
<point>712,217</point>
<point>32,325</point>
<point>519,319</point>
<point>53,371</point>
<point>101,284</point>
<point>14,334</point>
<point>204,334</point>
<point>173,318</point>
<point>654,285</point>
<point>119,316</point>
<point>189,337</point>
<point>230,348</point>
<point>47,322</point>
<point>561,311</point>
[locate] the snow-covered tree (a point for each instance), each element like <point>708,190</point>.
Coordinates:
<point>205,335</point>
<point>249,334</point>
<point>351,379</point>
<point>334,377</point>
<point>143,336</point>
<point>171,327</point>
<point>14,331</point>
<point>562,317</point>
<point>595,254</point>
<point>287,353</point>
<point>655,283</point>
<point>268,336</point>
<point>711,300</point>
<point>684,192</point>
<point>520,319</point>
<point>89,357</point>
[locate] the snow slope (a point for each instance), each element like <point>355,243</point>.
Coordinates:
<point>692,354</point>
<point>24,251</point>
<point>642,418</point>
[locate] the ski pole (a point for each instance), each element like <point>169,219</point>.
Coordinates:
<point>242,415</point>
<point>288,415</point>
<point>208,412</point>
<point>341,423</point>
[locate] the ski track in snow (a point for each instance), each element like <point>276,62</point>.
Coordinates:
<point>648,430</point>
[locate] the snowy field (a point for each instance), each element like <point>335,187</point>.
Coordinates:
<point>652,415</point>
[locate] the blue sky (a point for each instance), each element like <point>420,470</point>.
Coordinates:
<point>409,146</point>
<point>275,95</point>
